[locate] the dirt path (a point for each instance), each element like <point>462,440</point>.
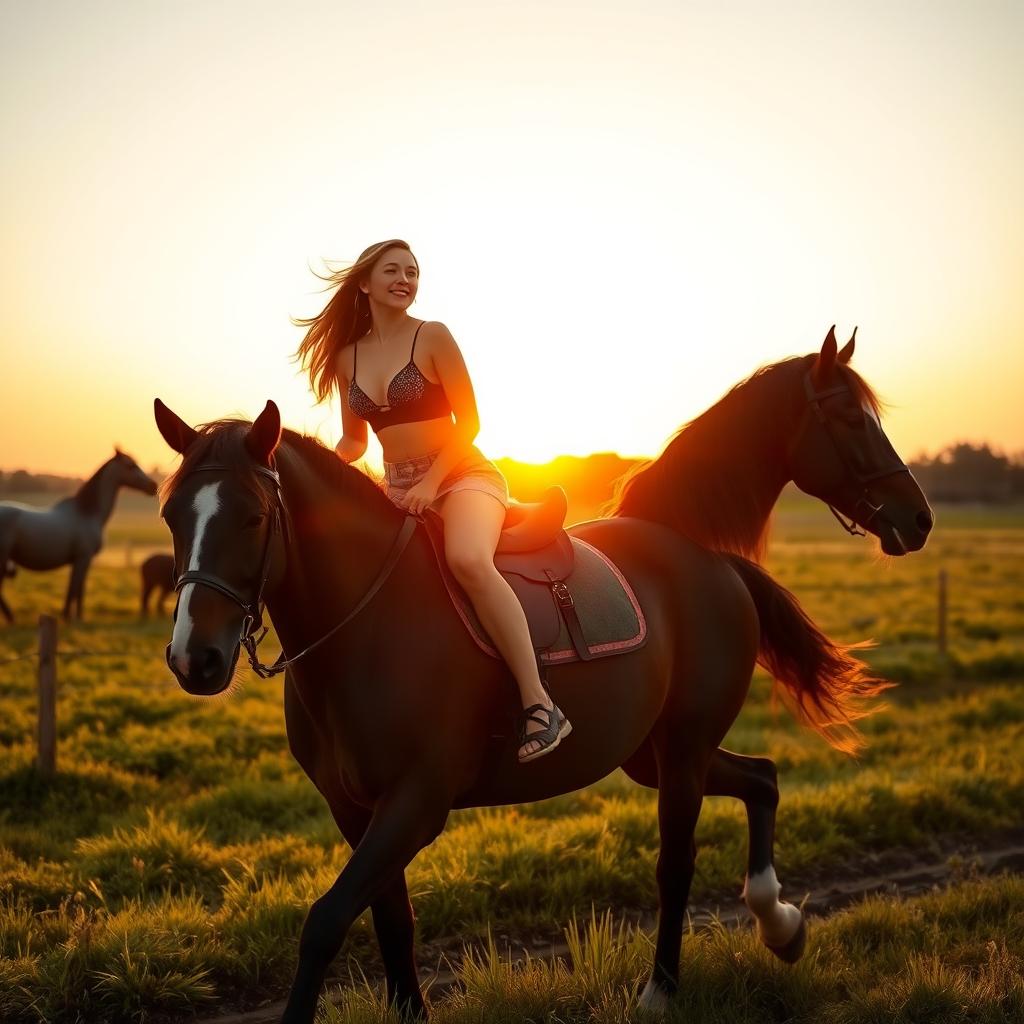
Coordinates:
<point>897,874</point>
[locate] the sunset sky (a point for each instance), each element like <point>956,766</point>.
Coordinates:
<point>620,209</point>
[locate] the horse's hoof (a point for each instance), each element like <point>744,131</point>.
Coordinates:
<point>794,949</point>
<point>654,999</point>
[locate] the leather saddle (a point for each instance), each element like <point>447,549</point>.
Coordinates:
<point>531,527</point>
<point>544,566</point>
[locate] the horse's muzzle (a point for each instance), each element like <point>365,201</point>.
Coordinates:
<point>906,537</point>
<point>203,673</point>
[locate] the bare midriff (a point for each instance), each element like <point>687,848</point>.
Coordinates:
<point>403,441</point>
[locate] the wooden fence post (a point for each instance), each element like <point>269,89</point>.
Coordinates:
<point>47,761</point>
<point>943,609</point>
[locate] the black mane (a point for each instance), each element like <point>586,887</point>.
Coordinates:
<point>332,470</point>
<point>705,484</point>
<point>87,497</point>
<point>222,442</point>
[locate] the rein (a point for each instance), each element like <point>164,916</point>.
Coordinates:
<point>253,610</point>
<point>853,527</point>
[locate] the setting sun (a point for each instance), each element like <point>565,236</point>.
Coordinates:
<point>671,666</point>
<point>618,217</point>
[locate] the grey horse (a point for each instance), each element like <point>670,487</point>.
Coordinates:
<point>69,532</point>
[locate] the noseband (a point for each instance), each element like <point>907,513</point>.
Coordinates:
<point>253,610</point>
<point>889,467</point>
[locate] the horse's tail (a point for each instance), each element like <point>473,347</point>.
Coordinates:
<point>825,686</point>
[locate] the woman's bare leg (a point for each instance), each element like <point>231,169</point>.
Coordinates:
<point>472,524</point>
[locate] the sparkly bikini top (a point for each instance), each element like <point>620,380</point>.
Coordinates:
<point>411,397</point>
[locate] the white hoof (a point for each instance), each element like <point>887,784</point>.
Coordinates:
<point>653,999</point>
<point>777,922</point>
<point>782,927</point>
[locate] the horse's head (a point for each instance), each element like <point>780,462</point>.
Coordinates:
<point>224,512</point>
<point>841,455</point>
<point>128,474</point>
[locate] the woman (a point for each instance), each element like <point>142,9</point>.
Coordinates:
<point>365,343</point>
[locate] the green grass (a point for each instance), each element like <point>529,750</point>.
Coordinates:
<point>951,956</point>
<point>171,861</point>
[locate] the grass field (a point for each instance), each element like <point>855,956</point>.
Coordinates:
<point>170,863</point>
<point>945,958</point>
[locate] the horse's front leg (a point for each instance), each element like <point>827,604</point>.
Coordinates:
<point>402,824</point>
<point>7,568</point>
<point>393,922</point>
<point>76,587</point>
<point>680,794</point>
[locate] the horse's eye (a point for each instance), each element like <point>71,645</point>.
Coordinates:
<point>255,520</point>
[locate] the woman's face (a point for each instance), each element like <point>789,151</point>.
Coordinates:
<point>394,279</point>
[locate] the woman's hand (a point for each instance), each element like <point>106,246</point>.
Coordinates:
<point>419,497</point>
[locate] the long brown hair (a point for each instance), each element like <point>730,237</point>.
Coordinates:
<point>344,319</point>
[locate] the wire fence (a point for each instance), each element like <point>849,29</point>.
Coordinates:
<point>49,652</point>
<point>20,657</point>
<point>47,655</point>
<point>64,654</point>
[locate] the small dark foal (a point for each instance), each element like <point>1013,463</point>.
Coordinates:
<point>157,574</point>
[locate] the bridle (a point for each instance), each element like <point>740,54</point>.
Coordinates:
<point>252,620</point>
<point>891,463</point>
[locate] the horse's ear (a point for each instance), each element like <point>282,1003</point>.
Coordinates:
<point>847,352</point>
<point>826,361</point>
<point>265,434</point>
<point>176,432</point>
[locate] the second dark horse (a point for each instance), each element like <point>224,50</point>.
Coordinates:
<point>392,717</point>
<point>69,532</point>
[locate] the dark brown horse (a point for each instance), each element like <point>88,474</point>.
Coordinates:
<point>157,573</point>
<point>394,715</point>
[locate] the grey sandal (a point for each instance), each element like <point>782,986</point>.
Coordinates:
<point>555,728</point>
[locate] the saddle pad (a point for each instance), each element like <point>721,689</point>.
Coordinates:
<point>609,612</point>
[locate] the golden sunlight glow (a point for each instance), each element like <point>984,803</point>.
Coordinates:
<point>620,210</point>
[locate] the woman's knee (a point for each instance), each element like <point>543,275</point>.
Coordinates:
<point>470,566</point>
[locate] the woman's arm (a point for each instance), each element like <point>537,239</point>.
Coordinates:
<point>451,371</point>
<point>353,441</point>
<point>349,450</point>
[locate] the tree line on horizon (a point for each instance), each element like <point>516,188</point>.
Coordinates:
<point>959,473</point>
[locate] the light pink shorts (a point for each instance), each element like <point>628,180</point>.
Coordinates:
<point>474,473</point>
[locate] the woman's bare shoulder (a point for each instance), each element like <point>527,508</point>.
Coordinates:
<point>343,362</point>
<point>436,334</point>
